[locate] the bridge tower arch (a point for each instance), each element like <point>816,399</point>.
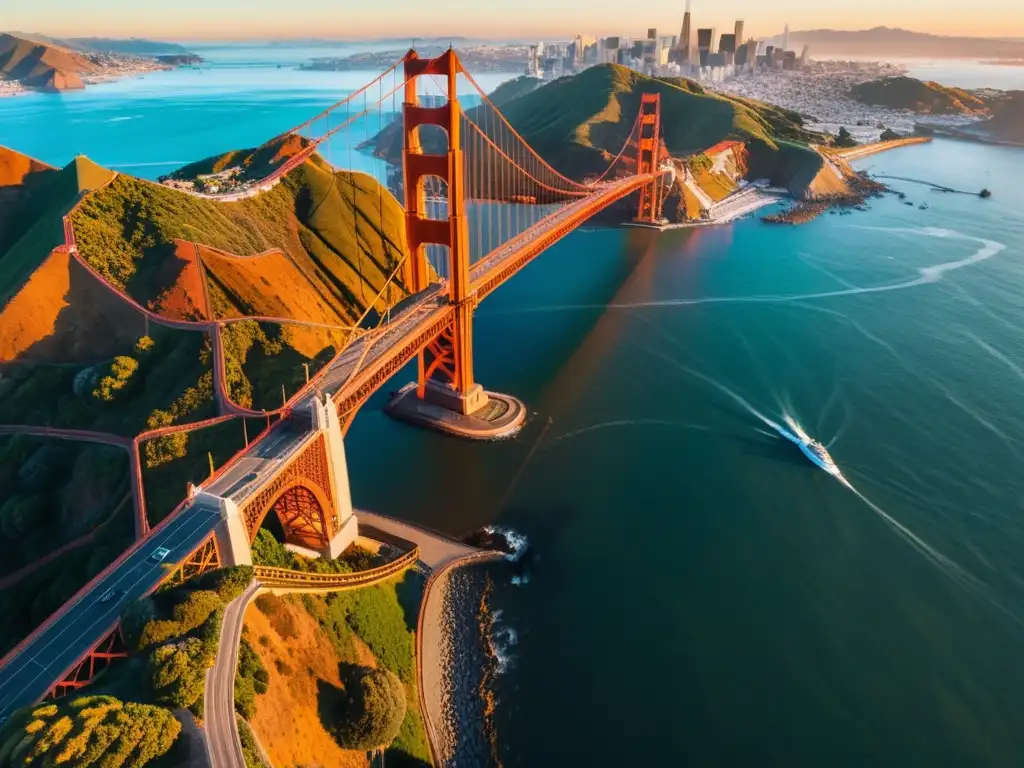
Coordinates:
<point>445,366</point>
<point>648,152</point>
<point>308,489</point>
<point>449,359</point>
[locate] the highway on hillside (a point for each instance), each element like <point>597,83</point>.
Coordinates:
<point>29,674</point>
<point>32,672</point>
<point>27,677</point>
<point>221,727</point>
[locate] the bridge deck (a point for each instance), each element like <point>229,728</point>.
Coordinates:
<point>68,635</point>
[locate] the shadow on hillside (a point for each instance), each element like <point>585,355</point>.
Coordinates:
<point>409,592</point>
<point>91,323</point>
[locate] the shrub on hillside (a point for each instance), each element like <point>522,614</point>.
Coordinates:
<point>889,135</point>
<point>371,709</point>
<point>251,680</point>
<point>844,139</point>
<point>178,672</point>
<point>228,583</point>
<point>122,369</point>
<point>89,731</point>
<point>194,609</point>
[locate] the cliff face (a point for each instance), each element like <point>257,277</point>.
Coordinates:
<point>37,65</point>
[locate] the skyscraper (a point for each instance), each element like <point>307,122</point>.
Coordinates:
<point>652,33</point>
<point>705,44</point>
<point>685,39</point>
<point>739,34</point>
<point>785,39</point>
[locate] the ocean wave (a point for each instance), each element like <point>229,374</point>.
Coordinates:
<point>501,640</point>
<point>518,543</point>
<point>925,276</point>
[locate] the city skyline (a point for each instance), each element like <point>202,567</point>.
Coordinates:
<point>501,20</point>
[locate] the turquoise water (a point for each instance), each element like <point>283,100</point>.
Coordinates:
<point>700,594</point>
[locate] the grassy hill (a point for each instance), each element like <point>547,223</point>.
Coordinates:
<point>579,123</point>
<point>256,163</point>
<point>38,65</point>
<point>924,98</point>
<point>513,89</point>
<point>340,233</point>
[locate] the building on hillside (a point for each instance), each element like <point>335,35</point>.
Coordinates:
<point>805,56</point>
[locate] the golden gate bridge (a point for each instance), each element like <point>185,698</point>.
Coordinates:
<point>480,204</point>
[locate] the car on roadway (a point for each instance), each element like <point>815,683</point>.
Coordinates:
<point>109,595</point>
<point>159,554</point>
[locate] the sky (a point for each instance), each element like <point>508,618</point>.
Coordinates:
<point>495,19</point>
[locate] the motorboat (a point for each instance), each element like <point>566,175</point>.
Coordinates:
<point>812,449</point>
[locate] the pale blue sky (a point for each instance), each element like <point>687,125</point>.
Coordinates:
<point>220,19</point>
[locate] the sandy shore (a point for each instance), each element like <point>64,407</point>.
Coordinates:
<point>456,663</point>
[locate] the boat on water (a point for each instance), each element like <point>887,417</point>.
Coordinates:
<point>812,449</point>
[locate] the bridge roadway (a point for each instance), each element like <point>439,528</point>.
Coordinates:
<point>52,650</point>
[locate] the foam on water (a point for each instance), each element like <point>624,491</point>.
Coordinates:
<point>502,639</point>
<point>517,542</point>
<point>926,276</point>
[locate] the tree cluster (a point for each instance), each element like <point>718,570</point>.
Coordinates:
<point>88,731</point>
<point>372,709</point>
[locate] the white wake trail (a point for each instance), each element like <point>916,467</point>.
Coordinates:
<point>628,423</point>
<point>926,276</point>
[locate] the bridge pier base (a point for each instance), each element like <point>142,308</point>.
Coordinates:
<point>477,415</point>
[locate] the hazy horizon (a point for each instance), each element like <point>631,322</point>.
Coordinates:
<point>264,20</point>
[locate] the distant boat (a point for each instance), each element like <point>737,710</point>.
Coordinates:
<point>985,193</point>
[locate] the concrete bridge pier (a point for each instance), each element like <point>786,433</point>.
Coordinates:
<point>345,525</point>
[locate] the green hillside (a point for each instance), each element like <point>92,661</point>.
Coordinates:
<point>342,228</point>
<point>924,98</point>
<point>513,89</point>
<point>255,163</point>
<point>579,123</point>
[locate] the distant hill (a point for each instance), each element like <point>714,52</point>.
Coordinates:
<point>123,46</point>
<point>38,65</point>
<point>579,123</point>
<point>923,98</point>
<point>513,89</point>
<point>884,41</point>
<point>1007,121</point>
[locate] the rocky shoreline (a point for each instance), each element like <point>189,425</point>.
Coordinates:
<point>466,732</point>
<point>862,189</point>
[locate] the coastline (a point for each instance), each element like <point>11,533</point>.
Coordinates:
<point>452,662</point>
<point>12,88</point>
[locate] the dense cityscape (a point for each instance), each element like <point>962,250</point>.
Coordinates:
<point>700,53</point>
